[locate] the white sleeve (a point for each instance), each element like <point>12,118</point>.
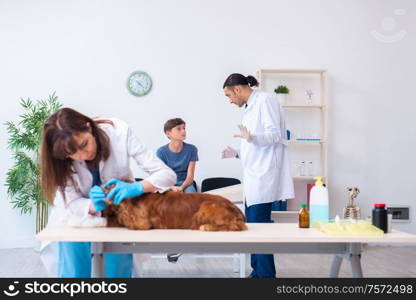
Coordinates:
<point>74,203</point>
<point>161,176</point>
<point>272,123</point>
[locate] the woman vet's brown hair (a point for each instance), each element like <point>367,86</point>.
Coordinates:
<point>58,144</point>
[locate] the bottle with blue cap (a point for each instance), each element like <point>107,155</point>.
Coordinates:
<point>319,204</point>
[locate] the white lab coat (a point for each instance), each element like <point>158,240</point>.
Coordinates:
<point>266,167</point>
<point>123,146</point>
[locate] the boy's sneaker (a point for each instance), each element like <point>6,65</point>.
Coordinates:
<point>173,257</point>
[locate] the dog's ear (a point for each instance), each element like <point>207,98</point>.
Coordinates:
<point>110,214</point>
<point>108,211</point>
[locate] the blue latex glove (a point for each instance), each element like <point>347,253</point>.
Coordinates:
<point>97,196</point>
<point>123,190</point>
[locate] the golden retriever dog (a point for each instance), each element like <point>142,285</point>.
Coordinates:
<point>175,210</point>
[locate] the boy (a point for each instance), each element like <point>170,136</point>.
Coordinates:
<point>179,156</point>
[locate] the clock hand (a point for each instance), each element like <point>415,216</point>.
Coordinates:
<point>138,82</point>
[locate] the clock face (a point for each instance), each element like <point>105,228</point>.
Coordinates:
<point>139,83</point>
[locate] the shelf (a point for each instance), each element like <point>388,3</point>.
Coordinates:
<point>293,71</point>
<point>304,177</point>
<point>294,142</point>
<point>303,106</point>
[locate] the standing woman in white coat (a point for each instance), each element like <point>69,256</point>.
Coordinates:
<point>264,155</point>
<point>78,154</point>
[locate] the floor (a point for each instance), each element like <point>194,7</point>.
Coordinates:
<point>377,261</point>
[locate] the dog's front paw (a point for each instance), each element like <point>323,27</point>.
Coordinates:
<point>205,227</point>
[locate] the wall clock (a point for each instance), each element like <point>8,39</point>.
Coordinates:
<point>139,83</point>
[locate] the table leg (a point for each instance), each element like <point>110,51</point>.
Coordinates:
<point>355,260</point>
<point>242,265</point>
<point>335,266</point>
<point>236,263</point>
<point>97,260</point>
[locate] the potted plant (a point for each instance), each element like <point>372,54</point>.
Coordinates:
<point>282,92</point>
<point>23,178</point>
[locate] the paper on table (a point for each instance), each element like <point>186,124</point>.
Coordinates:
<point>345,228</point>
<point>88,221</point>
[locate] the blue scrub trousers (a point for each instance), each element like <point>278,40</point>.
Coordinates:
<point>262,264</point>
<point>75,262</point>
<point>279,205</point>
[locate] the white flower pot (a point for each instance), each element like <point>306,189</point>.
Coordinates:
<point>282,98</point>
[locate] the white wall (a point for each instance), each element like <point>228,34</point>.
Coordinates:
<point>84,50</point>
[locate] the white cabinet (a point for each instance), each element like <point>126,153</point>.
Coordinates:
<point>306,114</point>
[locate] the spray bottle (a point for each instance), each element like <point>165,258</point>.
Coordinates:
<point>319,206</point>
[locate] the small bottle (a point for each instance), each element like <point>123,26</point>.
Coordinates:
<point>302,168</point>
<point>389,220</point>
<point>310,168</point>
<point>288,134</point>
<point>303,216</point>
<point>380,216</point>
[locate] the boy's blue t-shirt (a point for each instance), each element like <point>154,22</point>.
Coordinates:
<point>178,161</point>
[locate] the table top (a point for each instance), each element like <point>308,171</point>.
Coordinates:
<point>256,233</point>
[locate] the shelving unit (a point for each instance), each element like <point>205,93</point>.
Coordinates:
<point>303,106</point>
<point>306,118</point>
<point>306,142</point>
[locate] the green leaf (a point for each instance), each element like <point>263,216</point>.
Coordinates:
<point>24,139</point>
<point>281,89</point>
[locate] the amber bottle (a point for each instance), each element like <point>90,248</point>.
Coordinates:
<point>303,216</point>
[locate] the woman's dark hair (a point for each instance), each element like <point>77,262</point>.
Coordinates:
<point>58,144</point>
<point>239,79</point>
